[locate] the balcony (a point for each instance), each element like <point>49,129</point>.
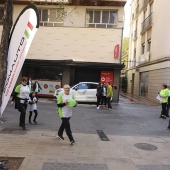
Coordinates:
<point>146,23</point>
<point>144,57</point>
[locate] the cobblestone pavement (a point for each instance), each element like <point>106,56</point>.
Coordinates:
<point>128,125</point>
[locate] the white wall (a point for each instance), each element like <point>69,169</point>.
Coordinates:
<point>160,38</point>
<point>161,30</point>
<point>78,44</point>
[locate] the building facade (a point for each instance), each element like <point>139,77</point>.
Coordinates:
<point>74,42</point>
<point>124,60</point>
<point>149,52</point>
<point>125,53</point>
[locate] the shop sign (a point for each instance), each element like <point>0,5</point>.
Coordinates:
<point>106,76</point>
<point>116,51</point>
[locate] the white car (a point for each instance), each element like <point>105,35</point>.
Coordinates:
<point>83,91</point>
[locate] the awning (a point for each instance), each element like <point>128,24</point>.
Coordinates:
<point>72,63</point>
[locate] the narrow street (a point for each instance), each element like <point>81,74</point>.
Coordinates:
<point>131,136</point>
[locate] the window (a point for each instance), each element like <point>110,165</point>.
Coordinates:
<point>144,82</point>
<point>143,48</point>
<point>1,14</point>
<point>149,45</point>
<point>83,86</point>
<point>132,16</point>
<point>151,7</point>
<point>51,17</point>
<point>144,14</point>
<point>134,58</point>
<point>135,32</point>
<point>92,86</point>
<point>101,18</point>
<point>136,26</point>
<point>137,8</point>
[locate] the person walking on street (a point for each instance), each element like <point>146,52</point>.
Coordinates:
<point>103,101</point>
<point>29,83</point>
<point>36,88</point>
<point>33,107</point>
<point>109,94</point>
<point>65,103</point>
<point>21,97</point>
<point>99,94</point>
<point>168,104</point>
<point>164,93</point>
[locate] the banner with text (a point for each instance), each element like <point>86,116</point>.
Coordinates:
<point>21,38</point>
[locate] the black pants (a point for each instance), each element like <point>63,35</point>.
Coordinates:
<point>164,109</point>
<point>167,109</point>
<point>98,100</point>
<point>103,102</point>
<point>35,116</point>
<point>36,95</point>
<point>108,102</point>
<point>65,125</point>
<point>23,108</point>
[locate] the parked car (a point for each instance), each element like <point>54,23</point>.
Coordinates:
<point>83,91</point>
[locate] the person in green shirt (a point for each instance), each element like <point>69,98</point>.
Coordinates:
<point>65,113</point>
<point>109,94</point>
<point>168,106</point>
<point>20,99</point>
<point>164,93</point>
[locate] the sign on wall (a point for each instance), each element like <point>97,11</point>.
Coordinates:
<point>48,87</point>
<point>116,51</point>
<point>107,76</point>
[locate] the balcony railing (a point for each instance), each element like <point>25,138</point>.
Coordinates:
<point>146,23</point>
<point>144,57</point>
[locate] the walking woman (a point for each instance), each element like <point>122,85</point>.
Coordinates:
<point>21,97</point>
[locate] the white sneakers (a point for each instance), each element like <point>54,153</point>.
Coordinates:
<point>98,107</point>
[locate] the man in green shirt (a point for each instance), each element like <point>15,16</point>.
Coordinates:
<point>164,93</point>
<point>109,94</point>
<point>168,105</point>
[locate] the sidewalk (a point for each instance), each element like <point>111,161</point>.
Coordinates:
<point>138,99</point>
<point>128,127</point>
